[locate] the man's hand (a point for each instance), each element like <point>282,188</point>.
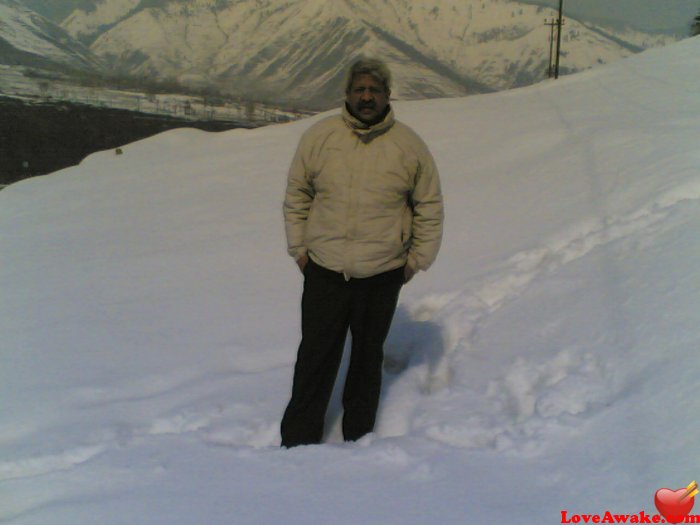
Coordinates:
<point>408,273</point>
<point>301,262</point>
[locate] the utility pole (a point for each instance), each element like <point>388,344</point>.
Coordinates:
<point>551,23</point>
<point>559,24</point>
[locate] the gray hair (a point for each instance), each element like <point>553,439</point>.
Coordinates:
<point>369,66</point>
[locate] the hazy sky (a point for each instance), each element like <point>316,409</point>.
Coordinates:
<point>656,15</point>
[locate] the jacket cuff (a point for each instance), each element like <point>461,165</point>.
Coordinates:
<point>298,253</point>
<point>413,263</point>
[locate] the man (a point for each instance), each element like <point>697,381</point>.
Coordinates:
<point>363,213</point>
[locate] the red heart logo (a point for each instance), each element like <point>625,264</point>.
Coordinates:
<point>673,505</point>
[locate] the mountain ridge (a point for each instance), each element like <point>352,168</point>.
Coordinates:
<point>296,51</point>
<point>27,38</point>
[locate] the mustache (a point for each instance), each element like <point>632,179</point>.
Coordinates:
<point>370,105</point>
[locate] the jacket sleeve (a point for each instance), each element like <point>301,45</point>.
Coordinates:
<point>297,202</point>
<point>428,213</point>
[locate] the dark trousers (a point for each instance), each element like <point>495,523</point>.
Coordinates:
<point>330,305</point>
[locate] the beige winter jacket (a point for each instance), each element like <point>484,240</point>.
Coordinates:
<point>363,200</point>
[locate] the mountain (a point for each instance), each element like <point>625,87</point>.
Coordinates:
<point>97,16</point>
<point>29,39</point>
<point>57,10</point>
<point>296,50</point>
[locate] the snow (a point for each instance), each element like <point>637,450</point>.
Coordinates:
<point>83,24</point>
<point>20,30</point>
<point>296,50</point>
<point>546,362</point>
<point>19,83</point>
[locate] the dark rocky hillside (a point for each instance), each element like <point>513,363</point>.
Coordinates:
<point>36,139</point>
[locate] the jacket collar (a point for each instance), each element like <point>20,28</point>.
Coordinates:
<point>364,131</point>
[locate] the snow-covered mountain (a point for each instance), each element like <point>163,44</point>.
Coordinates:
<point>296,50</point>
<point>29,39</point>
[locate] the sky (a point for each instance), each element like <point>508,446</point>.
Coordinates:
<point>545,364</point>
<point>667,16</point>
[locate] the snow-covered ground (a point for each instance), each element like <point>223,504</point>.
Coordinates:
<point>15,82</point>
<point>546,363</point>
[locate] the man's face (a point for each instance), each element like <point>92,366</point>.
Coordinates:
<point>367,98</point>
